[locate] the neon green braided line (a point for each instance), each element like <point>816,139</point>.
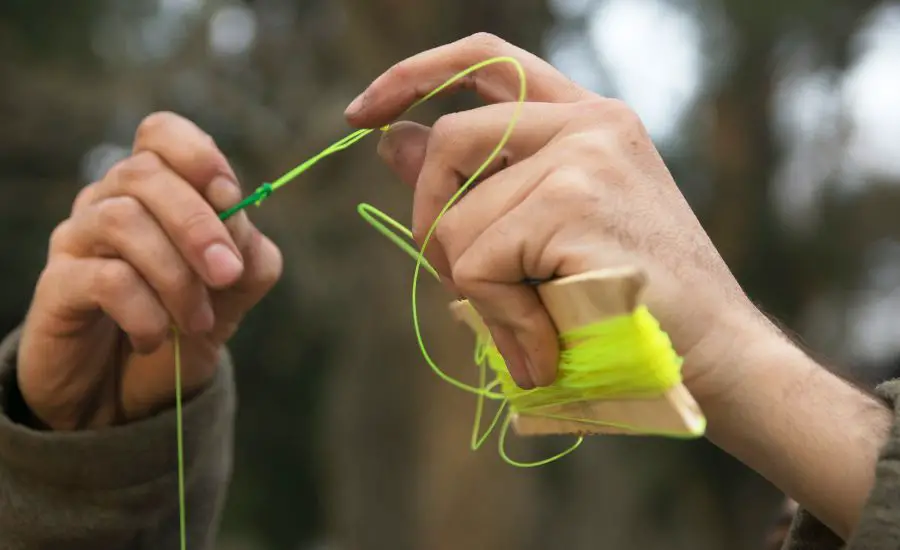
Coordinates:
<point>340,145</point>
<point>182,509</point>
<point>579,379</point>
<point>380,221</point>
<point>484,390</point>
<point>517,111</point>
<point>625,357</point>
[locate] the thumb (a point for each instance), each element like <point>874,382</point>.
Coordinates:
<point>403,148</point>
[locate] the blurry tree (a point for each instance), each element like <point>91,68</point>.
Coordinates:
<point>344,437</point>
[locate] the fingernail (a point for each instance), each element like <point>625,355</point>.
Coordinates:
<point>521,377</point>
<point>385,148</point>
<point>355,105</point>
<point>403,148</point>
<point>519,372</point>
<point>513,355</point>
<point>530,365</point>
<point>532,371</point>
<point>223,266</point>
<point>203,319</point>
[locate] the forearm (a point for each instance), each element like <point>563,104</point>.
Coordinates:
<point>112,488</point>
<point>810,433</point>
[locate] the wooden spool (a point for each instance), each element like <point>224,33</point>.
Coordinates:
<point>577,301</point>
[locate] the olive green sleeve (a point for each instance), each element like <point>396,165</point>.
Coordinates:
<point>115,488</point>
<point>879,524</point>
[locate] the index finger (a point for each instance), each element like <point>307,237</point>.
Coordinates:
<point>408,81</point>
<point>185,148</point>
<point>193,154</point>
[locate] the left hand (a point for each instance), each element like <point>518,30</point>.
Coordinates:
<point>143,250</point>
<point>580,186</point>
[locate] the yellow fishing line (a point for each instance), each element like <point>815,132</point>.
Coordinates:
<point>629,356</point>
<point>176,343</point>
<point>623,357</point>
<point>626,357</point>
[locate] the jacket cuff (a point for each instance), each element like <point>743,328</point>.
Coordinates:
<point>878,521</point>
<point>116,457</point>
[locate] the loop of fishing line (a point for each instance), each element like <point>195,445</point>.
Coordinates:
<point>626,356</point>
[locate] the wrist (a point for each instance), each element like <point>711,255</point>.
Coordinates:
<point>18,410</point>
<point>810,433</point>
<point>764,373</point>
<point>753,372</point>
<point>725,360</point>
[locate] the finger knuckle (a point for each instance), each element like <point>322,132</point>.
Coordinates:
<point>620,116</point>
<point>158,323</point>
<point>486,42</point>
<point>399,72</point>
<point>588,144</point>
<point>466,274</point>
<point>616,108</point>
<point>199,228</point>
<point>116,279</point>
<point>136,168</point>
<point>83,197</point>
<point>60,236</point>
<point>607,113</point>
<point>208,159</point>
<point>177,281</point>
<point>443,233</point>
<point>118,212</point>
<point>615,131</point>
<point>599,106</point>
<point>421,228</point>
<point>588,113</point>
<point>53,277</point>
<point>154,125</point>
<point>567,185</point>
<point>445,133</point>
<point>446,232</point>
<point>151,327</point>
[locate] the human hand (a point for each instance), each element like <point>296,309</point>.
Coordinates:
<point>142,250</point>
<point>579,186</point>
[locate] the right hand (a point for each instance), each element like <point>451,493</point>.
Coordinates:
<point>579,187</point>
<point>143,250</point>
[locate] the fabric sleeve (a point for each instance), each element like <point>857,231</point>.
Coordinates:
<point>114,488</point>
<point>879,524</point>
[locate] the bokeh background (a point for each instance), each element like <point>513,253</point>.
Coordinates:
<point>779,118</point>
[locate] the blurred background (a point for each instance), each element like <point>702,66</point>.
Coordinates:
<point>779,118</point>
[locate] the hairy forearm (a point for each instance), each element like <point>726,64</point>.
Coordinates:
<point>812,434</point>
